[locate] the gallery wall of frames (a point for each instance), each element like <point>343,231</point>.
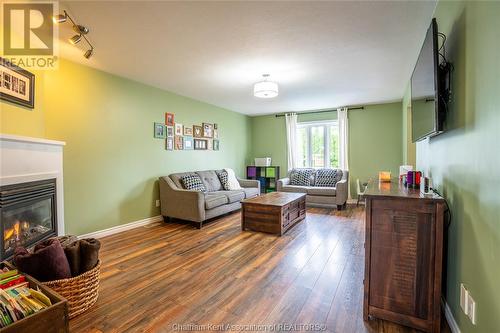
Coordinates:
<point>187,137</point>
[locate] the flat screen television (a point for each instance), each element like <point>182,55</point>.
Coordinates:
<point>428,110</point>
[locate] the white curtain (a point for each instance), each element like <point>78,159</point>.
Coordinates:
<point>291,139</point>
<point>344,142</point>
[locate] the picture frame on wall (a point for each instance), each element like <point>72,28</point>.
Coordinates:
<point>188,130</point>
<point>208,130</point>
<point>216,133</point>
<point>169,143</point>
<point>178,142</point>
<point>159,131</point>
<point>209,144</point>
<point>197,131</point>
<point>188,143</point>
<point>169,119</point>
<point>216,145</point>
<point>169,131</point>
<point>200,144</point>
<point>215,126</point>
<point>17,85</point>
<point>179,129</point>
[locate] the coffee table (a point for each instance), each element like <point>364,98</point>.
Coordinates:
<point>274,212</point>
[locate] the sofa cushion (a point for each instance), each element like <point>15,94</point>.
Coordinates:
<point>327,177</point>
<point>193,182</point>
<point>301,177</point>
<point>213,200</point>
<point>294,189</point>
<point>235,196</point>
<point>325,190</point>
<point>251,192</point>
<point>211,180</point>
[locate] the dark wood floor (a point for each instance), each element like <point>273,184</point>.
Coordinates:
<point>158,277</point>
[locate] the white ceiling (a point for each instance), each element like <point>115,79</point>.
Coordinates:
<point>322,54</point>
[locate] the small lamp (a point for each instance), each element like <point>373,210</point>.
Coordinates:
<point>384,176</point>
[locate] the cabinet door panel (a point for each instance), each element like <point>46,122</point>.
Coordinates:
<point>401,259</point>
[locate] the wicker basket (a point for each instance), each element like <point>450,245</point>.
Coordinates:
<point>81,291</point>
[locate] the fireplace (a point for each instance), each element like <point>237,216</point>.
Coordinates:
<point>28,214</point>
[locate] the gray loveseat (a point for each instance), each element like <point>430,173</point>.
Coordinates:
<point>321,196</point>
<point>197,206</point>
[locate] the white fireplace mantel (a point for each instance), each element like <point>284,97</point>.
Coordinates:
<point>25,159</point>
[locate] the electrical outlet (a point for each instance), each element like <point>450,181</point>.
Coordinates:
<point>464,298</point>
<point>471,313</point>
<point>157,203</point>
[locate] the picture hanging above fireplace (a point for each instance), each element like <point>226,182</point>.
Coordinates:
<point>16,84</point>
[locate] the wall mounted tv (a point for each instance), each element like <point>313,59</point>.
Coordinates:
<point>428,88</point>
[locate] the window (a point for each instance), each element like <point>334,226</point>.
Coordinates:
<point>318,144</point>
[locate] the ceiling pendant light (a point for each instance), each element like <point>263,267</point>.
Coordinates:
<point>265,89</point>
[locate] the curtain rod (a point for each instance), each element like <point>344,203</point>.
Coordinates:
<point>322,111</point>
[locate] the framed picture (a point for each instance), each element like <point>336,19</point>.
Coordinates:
<point>200,144</point>
<point>169,119</point>
<point>170,131</point>
<point>188,131</point>
<point>159,131</point>
<point>178,129</point>
<point>197,131</point>
<point>216,144</point>
<point>16,84</point>
<point>188,143</point>
<point>215,126</point>
<point>208,130</point>
<point>209,144</point>
<point>178,142</point>
<point>169,143</point>
<point>216,133</point>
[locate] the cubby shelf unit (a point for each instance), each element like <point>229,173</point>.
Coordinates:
<point>267,176</point>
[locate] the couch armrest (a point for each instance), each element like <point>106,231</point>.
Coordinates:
<point>282,182</point>
<point>341,191</point>
<point>249,183</point>
<point>180,203</point>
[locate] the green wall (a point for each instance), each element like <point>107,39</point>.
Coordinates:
<point>464,161</point>
<point>374,140</point>
<point>111,160</point>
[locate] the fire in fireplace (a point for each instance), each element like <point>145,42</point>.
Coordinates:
<point>28,214</point>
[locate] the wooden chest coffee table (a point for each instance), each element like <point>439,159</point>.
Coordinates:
<point>274,212</point>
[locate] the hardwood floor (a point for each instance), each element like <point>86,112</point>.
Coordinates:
<point>172,277</point>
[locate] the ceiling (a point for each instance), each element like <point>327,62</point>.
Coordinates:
<point>322,54</point>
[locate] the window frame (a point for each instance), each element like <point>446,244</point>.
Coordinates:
<point>326,140</point>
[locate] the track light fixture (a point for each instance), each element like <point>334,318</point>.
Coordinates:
<point>60,18</point>
<point>75,39</point>
<point>89,53</point>
<point>81,31</point>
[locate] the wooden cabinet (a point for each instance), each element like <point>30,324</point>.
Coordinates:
<point>403,256</point>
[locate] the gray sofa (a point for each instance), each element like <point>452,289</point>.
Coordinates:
<point>320,196</point>
<point>195,206</point>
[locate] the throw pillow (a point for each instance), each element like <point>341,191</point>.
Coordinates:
<point>301,177</point>
<point>193,182</point>
<point>232,181</point>
<point>328,177</point>
<point>224,179</point>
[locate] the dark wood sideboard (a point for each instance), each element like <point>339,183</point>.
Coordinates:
<point>403,255</point>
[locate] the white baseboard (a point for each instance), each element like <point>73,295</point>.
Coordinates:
<point>449,317</point>
<point>122,227</point>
